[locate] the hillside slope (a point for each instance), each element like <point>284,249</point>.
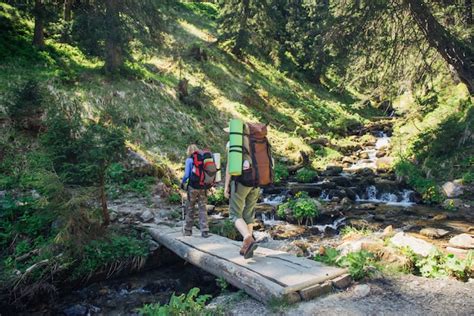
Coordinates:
<point>220,87</point>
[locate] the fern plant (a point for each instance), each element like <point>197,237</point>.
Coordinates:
<point>184,304</point>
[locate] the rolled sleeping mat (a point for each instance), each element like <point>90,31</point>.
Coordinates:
<point>236,139</point>
<point>217,160</point>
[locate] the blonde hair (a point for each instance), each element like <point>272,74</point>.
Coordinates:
<point>191,148</point>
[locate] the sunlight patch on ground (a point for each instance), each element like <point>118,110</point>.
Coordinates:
<point>199,33</point>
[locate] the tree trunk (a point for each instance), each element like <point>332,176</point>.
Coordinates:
<point>453,51</point>
<point>67,10</point>
<point>103,200</point>
<point>38,35</point>
<point>242,35</point>
<point>114,55</point>
<point>468,12</point>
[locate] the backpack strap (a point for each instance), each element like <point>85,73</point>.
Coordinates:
<point>254,161</point>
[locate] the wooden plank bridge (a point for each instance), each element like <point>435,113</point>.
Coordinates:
<point>267,276</point>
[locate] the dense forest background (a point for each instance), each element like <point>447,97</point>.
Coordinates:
<point>83,83</point>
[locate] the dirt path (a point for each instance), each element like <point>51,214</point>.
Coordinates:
<point>393,295</point>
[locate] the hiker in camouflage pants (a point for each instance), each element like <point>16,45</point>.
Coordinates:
<point>198,197</point>
<point>195,196</point>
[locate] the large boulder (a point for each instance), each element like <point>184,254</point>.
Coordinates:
<point>139,164</point>
<point>463,241</point>
<point>419,246</point>
<point>370,244</point>
<point>453,189</point>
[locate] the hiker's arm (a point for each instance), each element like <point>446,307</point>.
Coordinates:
<point>227,180</point>
<point>187,171</point>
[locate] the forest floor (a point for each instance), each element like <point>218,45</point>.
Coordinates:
<point>384,295</point>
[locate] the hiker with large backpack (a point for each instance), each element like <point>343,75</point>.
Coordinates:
<point>199,176</point>
<point>249,167</point>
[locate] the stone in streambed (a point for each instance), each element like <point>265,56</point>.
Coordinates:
<point>76,310</point>
<point>463,241</point>
<point>287,231</point>
<point>440,217</point>
<point>147,216</point>
<point>370,244</point>
<point>332,171</point>
<point>453,189</point>
<point>419,246</point>
<point>433,232</point>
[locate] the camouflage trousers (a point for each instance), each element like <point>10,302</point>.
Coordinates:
<point>197,198</point>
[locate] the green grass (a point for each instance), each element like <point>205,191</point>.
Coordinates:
<point>252,90</point>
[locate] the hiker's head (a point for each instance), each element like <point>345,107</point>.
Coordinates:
<point>191,148</point>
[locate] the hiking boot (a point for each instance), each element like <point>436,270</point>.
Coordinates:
<point>248,247</point>
<point>188,233</point>
<point>205,234</point>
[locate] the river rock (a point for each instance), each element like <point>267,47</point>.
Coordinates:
<point>322,141</point>
<point>370,244</point>
<point>313,189</point>
<point>453,189</point>
<point>383,164</point>
<point>281,245</point>
<point>450,204</point>
<point>76,310</point>
<point>139,164</point>
<point>388,231</point>
<point>147,216</point>
<point>287,231</point>
<point>460,253</point>
<point>341,181</point>
<point>364,155</point>
<point>365,172</point>
<point>419,246</point>
<point>332,170</point>
<point>348,160</point>
<point>366,206</point>
<point>361,290</point>
<point>463,241</point>
<point>433,232</point>
<point>380,154</point>
<point>440,217</point>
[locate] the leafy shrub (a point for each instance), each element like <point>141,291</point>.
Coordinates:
<point>306,175</point>
<point>184,304</point>
<point>468,177</point>
<point>101,254</point>
<point>226,229</point>
<point>360,263</point>
<point>27,106</point>
<point>174,198</point>
<point>300,207</point>
<point>414,177</point>
<point>217,197</point>
<point>222,284</point>
<point>140,186</point>
<point>330,256</point>
<point>437,264</point>
<point>281,173</point>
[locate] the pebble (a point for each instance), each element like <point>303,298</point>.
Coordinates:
<point>361,290</point>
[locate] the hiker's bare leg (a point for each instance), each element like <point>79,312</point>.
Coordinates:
<point>242,227</point>
<point>250,228</point>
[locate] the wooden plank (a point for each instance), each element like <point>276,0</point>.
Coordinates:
<point>254,284</point>
<point>289,271</point>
